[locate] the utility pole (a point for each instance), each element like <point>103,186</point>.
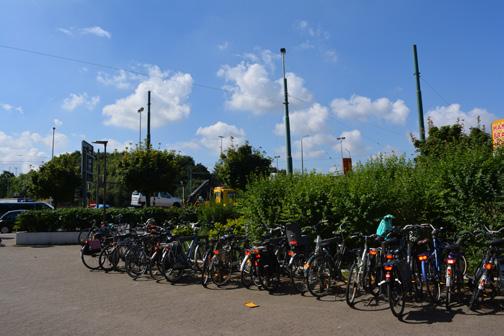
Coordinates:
<point>140,110</point>
<point>52,151</point>
<point>287,122</point>
<point>419,96</point>
<point>148,121</point>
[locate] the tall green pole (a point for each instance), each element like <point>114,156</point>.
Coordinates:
<point>419,96</point>
<point>148,122</point>
<point>287,122</point>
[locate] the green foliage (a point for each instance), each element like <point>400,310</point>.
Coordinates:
<point>6,179</point>
<point>215,213</point>
<point>58,178</point>
<point>232,226</point>
<point>239,165</point>
<point>70,219</point>
<point>150,171</point>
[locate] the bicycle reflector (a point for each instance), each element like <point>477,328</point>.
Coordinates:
<point>373,251</point>
<point>451,261</point>
<point>216,252</point>
<point>488,266</point>
<point>389,256</point>
<point>293,242</point>
<point>422,257</point>
<point>387,267</point>
<point>247,252</point>
<point>290,253</point>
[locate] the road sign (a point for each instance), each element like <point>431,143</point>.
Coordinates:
<point>87,161</point>
<point>498,133</point>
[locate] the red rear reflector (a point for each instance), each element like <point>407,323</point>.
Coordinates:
<point>216,252</point>
<point>389,257</point>
<point>293,242</point>
<point>388,268</point>
<point>387,276</point>
<point>422,257</point>
<point>291,253</point>
<point>373,252</point>
<point>451,261</point>
<point>488,266</point>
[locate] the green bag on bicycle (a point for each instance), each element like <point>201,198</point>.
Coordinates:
<point>385,226</point>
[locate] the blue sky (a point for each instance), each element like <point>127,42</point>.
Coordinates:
<point>214,69</point>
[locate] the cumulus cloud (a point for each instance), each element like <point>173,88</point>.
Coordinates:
<point>253,89</point>
<point>74,101</point>
<point>93,30</point>
<point>451,114</point>
<point>57,123</point>
<point>307,28</point>
<point>363,108</point>
<point>310,121</point>
<point>331,56</point>
<point>210,136</point>
<point>353,143</point>
<point>169,96</point>
<point>8,108</point>
<point>28,149</point>
<point>122,79</point>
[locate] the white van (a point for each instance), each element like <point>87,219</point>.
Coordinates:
<point>158,199</point>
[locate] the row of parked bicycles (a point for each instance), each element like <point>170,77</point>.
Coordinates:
<point>409,264</point>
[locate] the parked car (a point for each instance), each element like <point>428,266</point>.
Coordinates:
<point>8,219</point>
<point>159,199</point>
<point>8,206</point>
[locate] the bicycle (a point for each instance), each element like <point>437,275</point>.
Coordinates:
<point>489,276</point>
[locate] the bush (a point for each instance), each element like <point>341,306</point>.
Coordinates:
<point>71,219</point>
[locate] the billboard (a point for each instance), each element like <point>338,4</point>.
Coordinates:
<point>498,133</point>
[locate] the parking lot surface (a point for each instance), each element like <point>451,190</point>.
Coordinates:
<point>47,291</point>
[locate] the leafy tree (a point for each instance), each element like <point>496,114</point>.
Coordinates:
<point>22,185</point>
<point>58,178</point>
<point>6,179</point>
<point>149,171</point>
<point>238,165</point>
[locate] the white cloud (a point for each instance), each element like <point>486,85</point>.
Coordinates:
<point>223,46</point>
<point>363,108</point>
<point>210,136</point>
<point>331,56</point>
<point>28,149</point>
<point>310,121</point>
<point>122,79</point>
<point>8,108</point>
<point>352,143</point>
<point>169,96</point>
<point>97,31</point>
<point>451,114</point>
<point>315,32</point>
<point>93,30</point>
<point>252,88</point>
<point>57,123</point>
<point>74,101</point>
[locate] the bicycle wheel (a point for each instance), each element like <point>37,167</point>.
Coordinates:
<point>84,235</point>
<point>396,295</point>
<point>205,274</point>
<point>137,262</point>
<point>269,277</point>
<point>169,267</point>
<point>248,274</point>
<point>109,258</point>
<point>90,260</point>
<point>477,294</point>
<point>220,269</point>
<point>432,283</point>
<point>296,272</point>
<point>197,257</point>
<point>354,284</point>
<point>319,276</point>
<point>155,271</point>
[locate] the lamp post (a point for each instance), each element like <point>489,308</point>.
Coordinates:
<point>302,159</point>
<point>283,51</point>
<point>140,110</point>
<point>341,143</point>
<point>104,143</point>
<point>221,137</point>
<point>52,151</point>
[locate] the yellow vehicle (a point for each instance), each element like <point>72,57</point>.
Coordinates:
<point>224,196</point>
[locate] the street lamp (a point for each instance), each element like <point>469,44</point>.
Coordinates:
<point>140,110</point>
<point>104,143</point>
<point>302,160</point>
<point>52,151</point>
<point>221,137</point>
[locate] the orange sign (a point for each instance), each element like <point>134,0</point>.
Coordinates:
<point>498,133</point>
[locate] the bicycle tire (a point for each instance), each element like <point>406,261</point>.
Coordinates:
<point>205,275</point>
<point>137,263</point>
<point>168,268</point>
<point>91,261</point>
<point>353,284</point>
<point>220,270</point>
<point>268,277</point>
<point>296,273</point>
<point>396,295</point>
<point>319,274</point>
<point>84,235</point>
<point>248,273</point>
<point>108,258</point>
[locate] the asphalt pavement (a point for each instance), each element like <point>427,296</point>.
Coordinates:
<point>47,291</point>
